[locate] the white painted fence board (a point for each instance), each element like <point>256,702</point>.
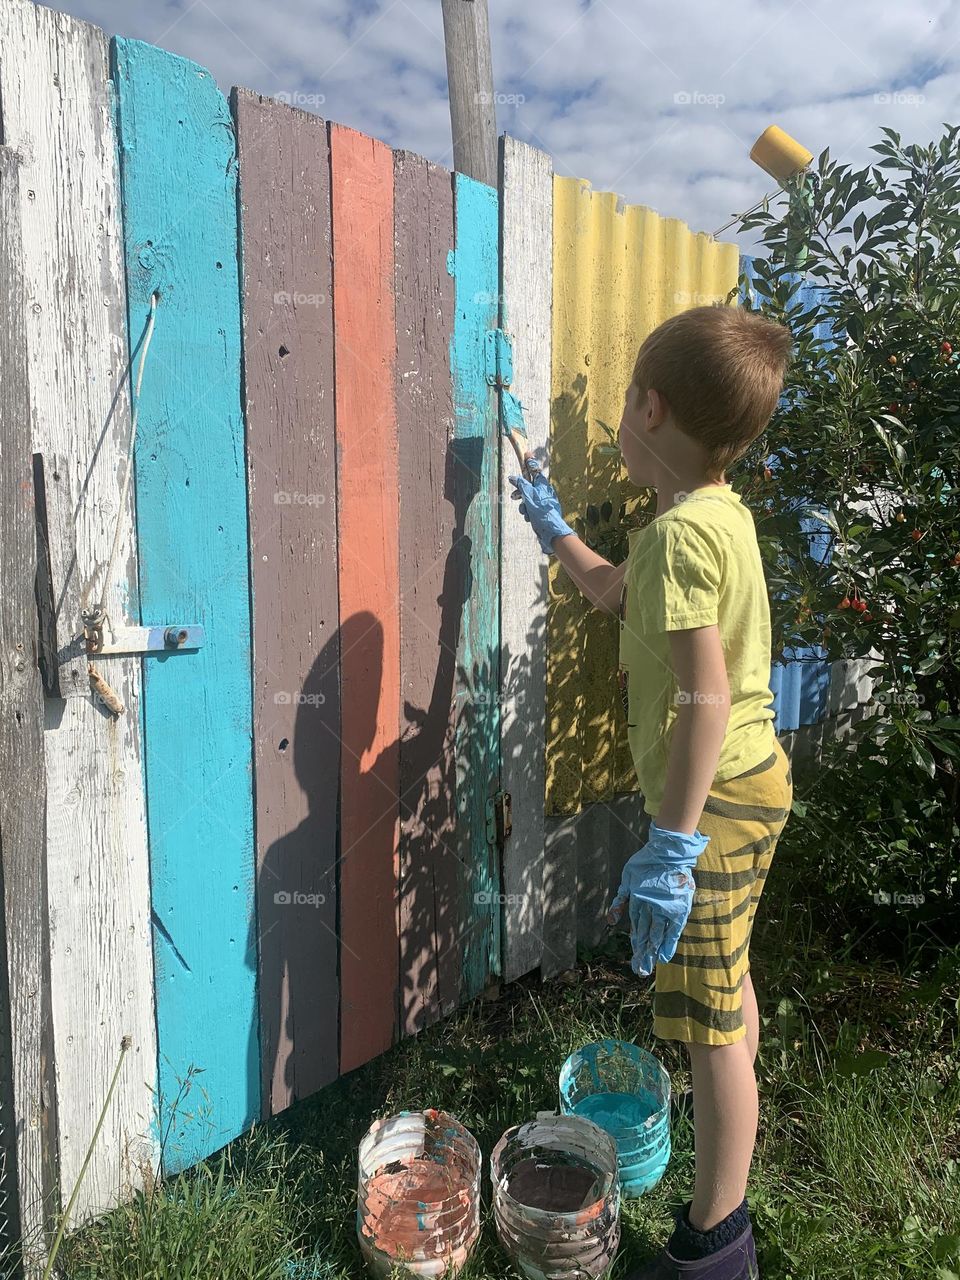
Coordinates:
<point>526,314</point>
<point>29,1187</point>
<point>56,96</point>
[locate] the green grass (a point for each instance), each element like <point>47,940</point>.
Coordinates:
<point>857,1171</point>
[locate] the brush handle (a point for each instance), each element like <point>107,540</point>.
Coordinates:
<point>524,455</point>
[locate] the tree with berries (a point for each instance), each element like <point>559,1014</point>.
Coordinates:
<point>855,483</point>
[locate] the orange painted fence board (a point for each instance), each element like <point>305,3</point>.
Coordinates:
<point>368,537</point>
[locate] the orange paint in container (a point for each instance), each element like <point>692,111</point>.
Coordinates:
<point>556,1197</point>
<point>418,1194</point>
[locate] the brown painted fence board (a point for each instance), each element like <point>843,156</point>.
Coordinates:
<point>431,590</point>
<point>368,516</point>
<point>288,386</point>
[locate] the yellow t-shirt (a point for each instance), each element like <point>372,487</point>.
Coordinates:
<point>695,565</point>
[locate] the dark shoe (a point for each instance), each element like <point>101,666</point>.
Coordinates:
<point>735,1261</point>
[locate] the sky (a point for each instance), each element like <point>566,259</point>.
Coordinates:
<point>659,102</point>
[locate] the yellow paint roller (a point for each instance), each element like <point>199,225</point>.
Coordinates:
<point>779,155</point>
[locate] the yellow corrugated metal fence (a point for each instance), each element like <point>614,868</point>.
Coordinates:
<point>619,271</point>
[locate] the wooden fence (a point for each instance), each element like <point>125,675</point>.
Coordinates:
<point>335,660</point>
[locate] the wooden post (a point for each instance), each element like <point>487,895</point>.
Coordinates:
<point>473,120</point>
<point>27,1097</point>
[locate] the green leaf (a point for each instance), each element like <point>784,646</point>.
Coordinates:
<point>946,1248</point>
<point>861,1064</point>
<point>913,1229</point>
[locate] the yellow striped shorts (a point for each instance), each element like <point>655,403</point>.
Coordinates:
<point>699,993</point>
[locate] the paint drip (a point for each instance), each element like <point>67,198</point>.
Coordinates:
<point>418,1194</point>
<point>626,1091</point>
<point>556,1197</point>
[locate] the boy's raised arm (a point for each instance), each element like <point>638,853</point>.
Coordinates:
<point>598,579</point>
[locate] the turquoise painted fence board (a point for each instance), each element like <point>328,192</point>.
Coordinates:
<point>178,173</point>
<point>475,265</point>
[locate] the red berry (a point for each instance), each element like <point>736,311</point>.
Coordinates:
<point>891,359</point>
<point>893,408</point>
<point>844,603</point>
<point>867,616</point>
<point>916,534</point>
<point>860,606</point>
<point>956,558</point>
<point>945,347</point>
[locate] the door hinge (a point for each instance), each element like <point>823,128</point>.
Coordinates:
<point>498,357</point>
<point>499,818</point>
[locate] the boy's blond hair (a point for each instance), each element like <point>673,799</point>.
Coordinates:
<point>721,371</point>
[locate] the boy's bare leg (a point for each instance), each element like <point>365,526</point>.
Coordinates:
<point>725,1128</point>
<point>751,1015</point>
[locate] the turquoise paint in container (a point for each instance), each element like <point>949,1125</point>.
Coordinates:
<point>626,1091</point>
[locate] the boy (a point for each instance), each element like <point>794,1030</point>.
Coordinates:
<point>694,676</point>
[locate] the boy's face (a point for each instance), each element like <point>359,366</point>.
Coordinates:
<point>634,437</point>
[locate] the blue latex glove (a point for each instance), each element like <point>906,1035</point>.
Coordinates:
<point>658,884</point>
<point>540,505</point>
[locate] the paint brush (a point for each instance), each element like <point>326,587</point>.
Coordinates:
<point>515,429</point>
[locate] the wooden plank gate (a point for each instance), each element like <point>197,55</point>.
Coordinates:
<point>338,661</point>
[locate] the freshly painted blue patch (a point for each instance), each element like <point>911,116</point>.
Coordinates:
<point>178,174</point>
<point>511,414</point>
<point>477,453</point>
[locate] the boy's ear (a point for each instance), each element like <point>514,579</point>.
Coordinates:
<point>657,408</point>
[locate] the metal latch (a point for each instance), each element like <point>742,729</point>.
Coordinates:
<point>498,357</point>
<point>105,642</point>
<point>499,818</point>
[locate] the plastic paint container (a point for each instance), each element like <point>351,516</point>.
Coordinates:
<point>626,1091</point>
<point>556,1197</point>
<point>418,1194</point>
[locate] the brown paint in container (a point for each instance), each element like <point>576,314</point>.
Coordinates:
<point>418,1194</point>
<point>556,1197</point>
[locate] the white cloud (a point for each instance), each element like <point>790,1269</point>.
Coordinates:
<point>598,78</point>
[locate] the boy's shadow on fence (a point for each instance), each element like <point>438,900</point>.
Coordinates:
<point>299,938</point>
